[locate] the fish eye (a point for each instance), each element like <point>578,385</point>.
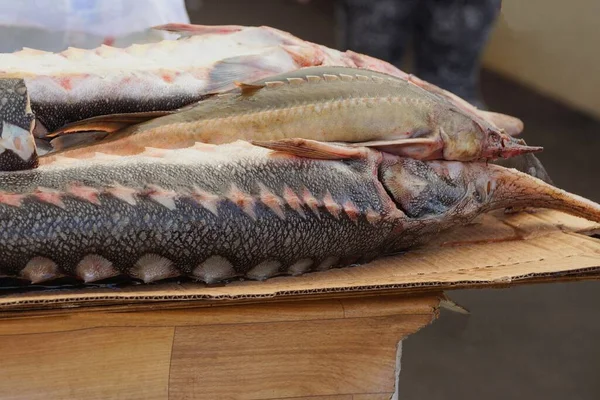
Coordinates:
<point>477,195</point>
<point>495,138</point>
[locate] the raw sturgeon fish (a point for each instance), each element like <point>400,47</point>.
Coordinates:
<point>215,213</point>
<point>332,104</point>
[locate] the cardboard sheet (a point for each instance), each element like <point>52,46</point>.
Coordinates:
<point>495,251</point>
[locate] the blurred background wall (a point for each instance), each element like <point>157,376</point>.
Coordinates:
<point>551,46</point>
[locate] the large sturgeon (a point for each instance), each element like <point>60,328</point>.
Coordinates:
<point>215,213</point>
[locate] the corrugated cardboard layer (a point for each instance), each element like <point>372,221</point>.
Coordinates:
<point>494,251</point>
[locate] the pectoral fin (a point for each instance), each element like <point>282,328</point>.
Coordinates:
<point>418,148</point>
<point>313,149</point>
<point>109,123</point>
<point>76,139</point>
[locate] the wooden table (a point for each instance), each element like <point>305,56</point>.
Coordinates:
<point>348,347</point>
<point>332,335</point>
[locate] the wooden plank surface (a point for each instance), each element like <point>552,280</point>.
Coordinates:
<point>101,363</point>
<point>372,396</point>
<point>46,321</point>
<point>277,360</point>
<point>338,348</point>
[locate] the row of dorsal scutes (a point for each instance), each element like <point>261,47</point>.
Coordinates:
<point>350,76</point>
<point>299,201</point>
<point>152,267</point>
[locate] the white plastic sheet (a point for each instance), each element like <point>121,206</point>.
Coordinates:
<point>57,24</point>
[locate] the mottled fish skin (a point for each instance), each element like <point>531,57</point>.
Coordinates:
<point>17,146</point>
<point>215,213</point>
<point>210,214</point>
<point>334,104</point>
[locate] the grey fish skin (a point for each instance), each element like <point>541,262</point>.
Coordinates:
<point>196,213</point>
<point>218,212</point>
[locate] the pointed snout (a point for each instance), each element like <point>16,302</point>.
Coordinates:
<point>516,147</point>
<point>511,188</point>
<point>504,146</point>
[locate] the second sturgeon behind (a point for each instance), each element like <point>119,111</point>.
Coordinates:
<point>332,104</point>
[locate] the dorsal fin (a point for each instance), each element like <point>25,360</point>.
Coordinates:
<point>76,139</point>
<point>313,148</point>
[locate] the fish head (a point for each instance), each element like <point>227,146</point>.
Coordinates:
<point>431,196</point>
<point>508,188</point>
<point>468,138</point>
<point>430,189</point>
<point>491,187</point>
<point>449,192</point>
<point>463,138</point>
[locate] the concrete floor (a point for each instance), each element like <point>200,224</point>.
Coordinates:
<point>522,343</point>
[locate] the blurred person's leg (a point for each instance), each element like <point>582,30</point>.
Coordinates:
<point>379,28</point>
<point>449,40</point>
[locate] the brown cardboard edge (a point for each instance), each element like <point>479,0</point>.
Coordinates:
<point>173,295</point>
<point>194,304</point>
<point>185,300</point>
